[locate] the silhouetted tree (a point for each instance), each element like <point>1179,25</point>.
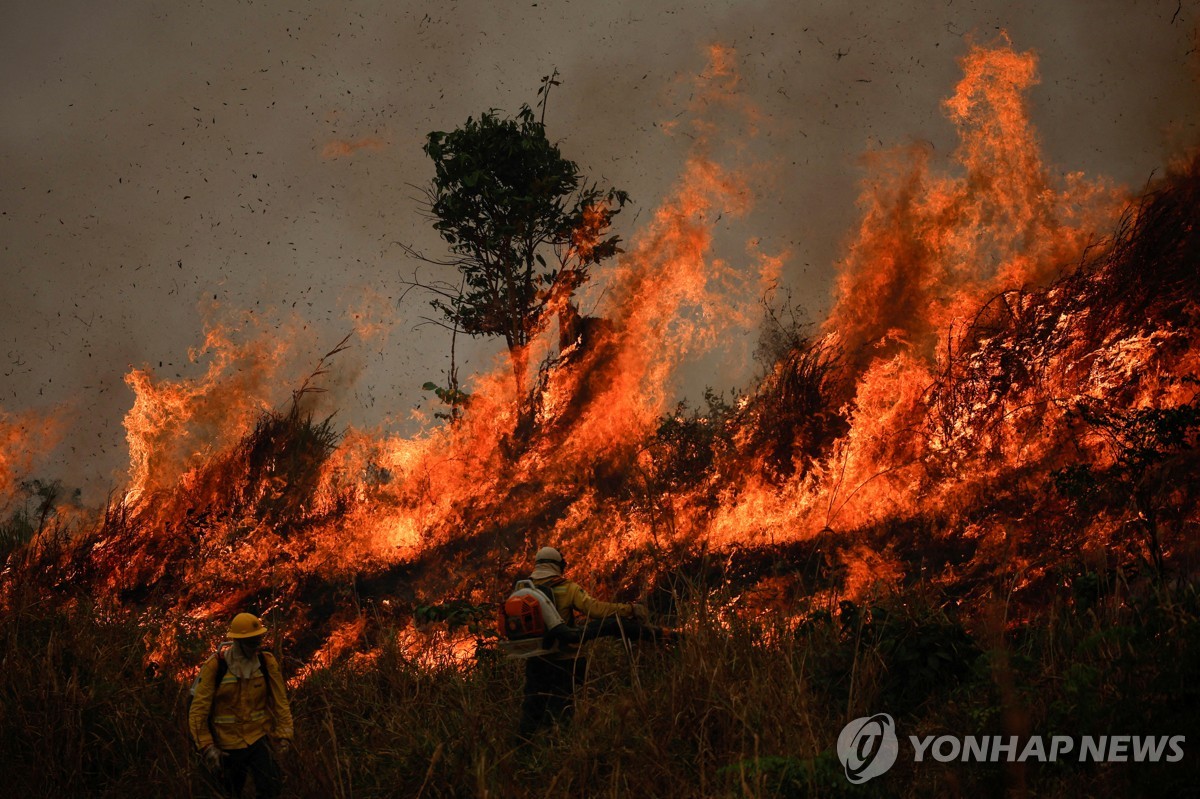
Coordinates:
<point>523,224</point>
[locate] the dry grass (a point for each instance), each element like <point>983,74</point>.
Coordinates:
<point>736,709</point>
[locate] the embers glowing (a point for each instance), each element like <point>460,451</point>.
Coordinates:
<point>932,385</point>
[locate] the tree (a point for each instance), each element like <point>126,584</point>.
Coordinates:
<point>523,224</point>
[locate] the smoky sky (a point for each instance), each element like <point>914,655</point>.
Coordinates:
<point>164,164</point>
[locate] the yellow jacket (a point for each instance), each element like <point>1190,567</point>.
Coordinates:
<point>569,598</point>
<point>239,712</point>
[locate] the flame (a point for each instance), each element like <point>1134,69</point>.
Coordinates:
<point>971,323</point>
<point>931,248</point>
<point>175,425</point>
<point>341,641</point>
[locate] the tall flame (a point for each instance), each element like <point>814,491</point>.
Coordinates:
<point>971,329</point>
<point>175,425</point>
<point>932,247</point>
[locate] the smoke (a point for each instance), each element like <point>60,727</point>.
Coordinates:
<point>341,148</point>
<point>157,158</point>
<point>23,438</point>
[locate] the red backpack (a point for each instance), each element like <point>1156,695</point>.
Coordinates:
<point>520,616</point>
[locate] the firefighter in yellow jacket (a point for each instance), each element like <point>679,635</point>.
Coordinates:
<point>240,703</point>
<point>550,680</point>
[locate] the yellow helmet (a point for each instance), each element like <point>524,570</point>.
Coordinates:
<point>245,625</point>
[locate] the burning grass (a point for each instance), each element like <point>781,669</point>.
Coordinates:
<point>969,500</point>
<point>1056,421</point>
<point>743,707</point>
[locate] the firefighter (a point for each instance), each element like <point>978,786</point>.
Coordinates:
<point>240,705</point>
<point>550,680</point>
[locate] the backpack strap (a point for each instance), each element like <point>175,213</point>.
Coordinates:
<point>262,664</point>
<point>222,668</point>
<point>548,590</point>
<point>548,587</point>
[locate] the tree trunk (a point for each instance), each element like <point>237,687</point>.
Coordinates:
<point>518,356</point>
<point>523,429</point>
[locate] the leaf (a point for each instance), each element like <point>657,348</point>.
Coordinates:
<point>501,190</point>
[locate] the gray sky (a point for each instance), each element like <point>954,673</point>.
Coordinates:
<point>155,156</point>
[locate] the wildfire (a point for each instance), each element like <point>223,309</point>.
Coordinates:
<point>972,328</point>
<point>932,248</point>
<point>175,426</point>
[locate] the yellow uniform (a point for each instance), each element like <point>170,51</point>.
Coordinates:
<point>239,711</point>
<point>570,599</point>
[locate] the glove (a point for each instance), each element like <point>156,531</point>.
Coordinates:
<point>639,611</point>
<point>283,746</point>
<point>213,756</point>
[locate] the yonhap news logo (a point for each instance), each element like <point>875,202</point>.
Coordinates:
<point>868,747</point>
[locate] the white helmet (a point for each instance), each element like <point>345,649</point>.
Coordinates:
<point>548,555</point>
